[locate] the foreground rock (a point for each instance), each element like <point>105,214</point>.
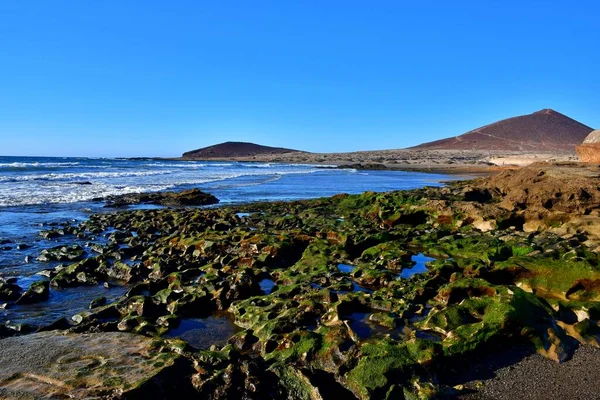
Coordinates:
<point>192,197</point>
<point>107,365</point>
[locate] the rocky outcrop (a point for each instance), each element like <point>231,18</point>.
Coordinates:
<point>545,130</point>
<point>192,197</point>
<point>589,150</point>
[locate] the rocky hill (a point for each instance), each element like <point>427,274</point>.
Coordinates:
<point>234,149</point>
<point>545,130</point>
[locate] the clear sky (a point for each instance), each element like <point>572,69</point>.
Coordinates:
<point>156,78</point>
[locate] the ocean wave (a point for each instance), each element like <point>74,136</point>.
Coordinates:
<point>187,165</point>
<point>38,164</point>
<point>80,175</point>
<point>18,189</point>
<point>267,165</point>
<point>183,166</point>
<point>57,194</point>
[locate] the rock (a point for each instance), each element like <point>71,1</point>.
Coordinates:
<point>589,150</point>
<point>79,273</point>
<point>38,291</point>
<point>19,328</point>
<point>120,271</point>
<point>62,253</point>
<point>59,324</point>
<point>100,301</point>
<point>51,233</point>
<point>9,290</point>
<point>48,273</point>
<point>107,365</point>
<point>365,166</point>
<point>193,197</point>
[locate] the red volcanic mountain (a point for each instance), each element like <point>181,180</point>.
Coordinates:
<point>234,149</point>
<point>545,130</point>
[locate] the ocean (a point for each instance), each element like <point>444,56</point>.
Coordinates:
<point>37,192</point>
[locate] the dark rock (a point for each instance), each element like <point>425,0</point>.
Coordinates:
<point>62,253</point>
<point>100,301</point>
<point>193,197</point>
<point>38,291</point>
<point>9,290</point>
<point>60,324</point>
<point>52,233</point>
<point>365,166</point>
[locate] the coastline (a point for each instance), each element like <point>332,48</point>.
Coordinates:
<point>454,162</point>
<point>291,243</point>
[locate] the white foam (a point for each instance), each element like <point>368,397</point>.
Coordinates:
<point>18,189</point>
<point>80,175</point>
<point>38,164</point>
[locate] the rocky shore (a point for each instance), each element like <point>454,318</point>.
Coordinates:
<point>372,296</point>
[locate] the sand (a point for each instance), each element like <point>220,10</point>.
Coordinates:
<point>536,377</point>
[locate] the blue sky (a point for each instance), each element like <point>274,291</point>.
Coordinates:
<point>156,78</point>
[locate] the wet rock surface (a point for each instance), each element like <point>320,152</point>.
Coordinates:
<point>366,296</point>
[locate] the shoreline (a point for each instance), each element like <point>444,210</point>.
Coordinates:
<point>293,243</point>
<point>410,160</point>
<point>449,169</point>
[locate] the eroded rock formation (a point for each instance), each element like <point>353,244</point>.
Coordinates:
<point>589,150</point>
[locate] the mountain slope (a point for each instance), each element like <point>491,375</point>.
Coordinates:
<point>545,130</point>
<point>234,149</point>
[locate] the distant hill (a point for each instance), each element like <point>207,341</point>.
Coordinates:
<point>234,149</point>
<point>545,130</point>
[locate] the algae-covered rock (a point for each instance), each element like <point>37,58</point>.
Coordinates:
<point>344,314</point>
<point>38,291</point>
<point>62,253</point>
<point>382,365</point>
